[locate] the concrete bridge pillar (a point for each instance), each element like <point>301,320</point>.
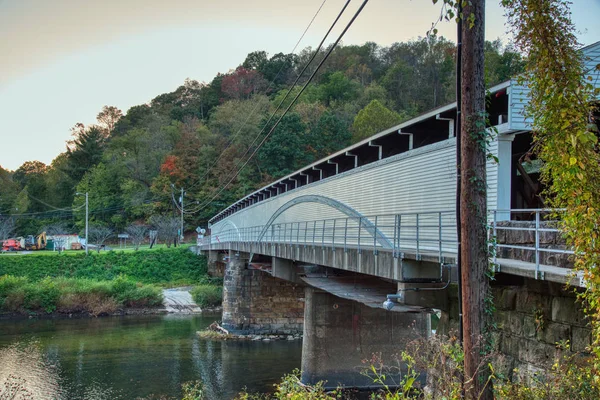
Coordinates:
<point>254,302</point>
<point>339,334</point>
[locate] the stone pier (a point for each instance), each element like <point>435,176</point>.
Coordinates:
<point>339,334</point>
<point>216,263</point>
<point>254,302</point>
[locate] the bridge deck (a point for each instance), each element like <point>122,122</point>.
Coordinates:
<point>387,263</point>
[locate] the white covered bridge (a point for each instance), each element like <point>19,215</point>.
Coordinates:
<point>319,250</point>
<point>396,193</point>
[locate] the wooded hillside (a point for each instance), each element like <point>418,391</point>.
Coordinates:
<point>133,164</point>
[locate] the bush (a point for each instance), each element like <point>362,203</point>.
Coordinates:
<point>42,295</point>
<point>71,295</point>
<point>208,295</point>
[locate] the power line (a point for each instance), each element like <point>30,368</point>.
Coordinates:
<point>316,52</point>
<point>51,206</point>
<point>257,104</point>
<point>292,103</point>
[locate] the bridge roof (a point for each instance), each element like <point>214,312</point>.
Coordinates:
<point>447,110</point>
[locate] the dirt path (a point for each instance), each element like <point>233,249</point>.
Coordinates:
<point>179,300</point>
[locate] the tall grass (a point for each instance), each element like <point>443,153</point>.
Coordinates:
<point>73,295</point>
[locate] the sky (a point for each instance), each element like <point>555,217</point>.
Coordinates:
<point>63,60</point>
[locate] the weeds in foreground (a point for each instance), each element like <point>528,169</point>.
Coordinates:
<point>573,376</point>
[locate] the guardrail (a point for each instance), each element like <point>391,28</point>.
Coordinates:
<point>542,222</point>
<point>431,233</point>
<point>424,233</point>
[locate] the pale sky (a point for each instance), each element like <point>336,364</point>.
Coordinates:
<point>62,60</point>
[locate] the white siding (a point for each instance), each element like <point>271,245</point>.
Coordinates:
<point>518,94</point>
<point>421,180</point>
<point>517,100</point>
<point>592,59</point>
<point>492,176</point>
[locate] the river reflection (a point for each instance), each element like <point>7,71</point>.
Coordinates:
<point>134,357</point>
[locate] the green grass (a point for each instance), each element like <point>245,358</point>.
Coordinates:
<point>72,295</point>
<point>169,267</point>
<point>208,295</point>
<point>115,248</point>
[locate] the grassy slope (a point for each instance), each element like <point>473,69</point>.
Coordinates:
<point>162,266</point>
<point>97,284</point>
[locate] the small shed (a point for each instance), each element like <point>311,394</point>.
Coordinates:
<point>67,242</point>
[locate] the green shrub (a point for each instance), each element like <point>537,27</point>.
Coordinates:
<point>8,283</point>
<point>208,295</point>
<point>42,295</point>
<point>69,295</point>
<point>12,292</point>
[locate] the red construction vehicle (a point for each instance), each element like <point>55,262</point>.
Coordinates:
<point>11,245</point>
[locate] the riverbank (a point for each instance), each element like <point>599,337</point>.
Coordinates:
<point>111,283</point>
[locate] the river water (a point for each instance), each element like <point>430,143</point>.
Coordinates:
<point>134,357</point>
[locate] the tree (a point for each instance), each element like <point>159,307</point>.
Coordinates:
<point>103,200</point>
<point>243,84</point>
<point>98,234</point>
<point>7,227</point>
<point>9,192</point>
<point>84,151</point>
<point>255,60</point>
<point>501,64</point>
<point>167,228</point>
<point>137,233</point>
<point>108,118</point>
<point>285,151</point>
<point>31,176</point>
<point>374,118</point>
<point>337,87</point>
<point>278,69</point>
<point>328,136</point>
<point>29,170</point>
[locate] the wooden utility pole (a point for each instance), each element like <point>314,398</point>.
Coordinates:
<point>473,205</point>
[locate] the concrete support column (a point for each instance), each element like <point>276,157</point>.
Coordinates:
<point>339,334</point>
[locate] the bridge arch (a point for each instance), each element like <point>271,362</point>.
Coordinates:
<point>338,205</point>
<point>228,222</point>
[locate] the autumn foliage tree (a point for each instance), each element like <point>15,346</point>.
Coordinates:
<point>242,84</point>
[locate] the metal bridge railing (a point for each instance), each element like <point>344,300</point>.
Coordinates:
<point>425,233</point>
<point>545,237</point>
